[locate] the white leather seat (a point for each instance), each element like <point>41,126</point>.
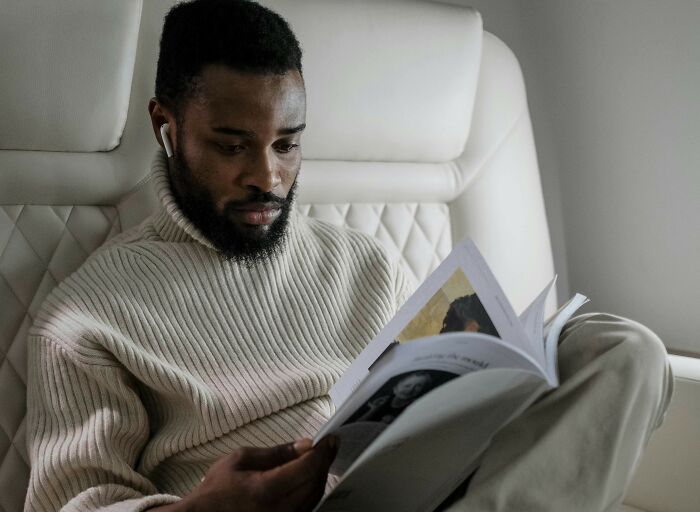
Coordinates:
<point>418,133</point>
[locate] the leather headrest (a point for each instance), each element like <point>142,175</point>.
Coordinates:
<point>384,91</point>
<point>68,68</point>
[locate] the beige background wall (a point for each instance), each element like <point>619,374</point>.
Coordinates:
<point>614,91</point>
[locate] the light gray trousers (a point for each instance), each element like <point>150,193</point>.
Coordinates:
<point>576,449</point>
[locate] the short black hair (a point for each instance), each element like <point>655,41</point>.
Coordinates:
<point>240,34</point>
<point>464,309</point>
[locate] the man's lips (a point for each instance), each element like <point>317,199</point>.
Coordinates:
<point>256,214</point>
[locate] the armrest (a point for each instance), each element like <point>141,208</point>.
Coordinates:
<point>667,476</point>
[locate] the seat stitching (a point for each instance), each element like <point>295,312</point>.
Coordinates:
<point>9,286</point>
<point>12,232</point>
<point>75,237</point>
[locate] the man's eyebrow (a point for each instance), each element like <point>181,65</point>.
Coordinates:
<point>227,130</point>
<point>234,131</point>
<point>291,131</point>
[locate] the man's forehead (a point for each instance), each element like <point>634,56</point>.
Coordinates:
<point>222,91</point>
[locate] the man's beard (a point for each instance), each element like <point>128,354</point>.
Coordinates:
<point>248,247</point>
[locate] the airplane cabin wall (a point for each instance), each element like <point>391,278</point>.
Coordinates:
<point>614,93</point>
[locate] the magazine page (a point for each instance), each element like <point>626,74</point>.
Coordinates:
<point>435,444</point>
<point>461,294</point>
<point>405,375</point>
<point>532,318</point>
<point>552,330</point>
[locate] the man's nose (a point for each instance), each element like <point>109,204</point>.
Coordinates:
<point>261,172</point>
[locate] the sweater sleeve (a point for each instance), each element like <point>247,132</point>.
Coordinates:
<point>86,429</point>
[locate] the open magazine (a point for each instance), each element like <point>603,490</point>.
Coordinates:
<point>418,407</point>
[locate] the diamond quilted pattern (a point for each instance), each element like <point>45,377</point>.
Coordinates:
<point>14,473</point>
<point>7,225</point>
<point>90,226</point>
<point>21,268</point>
<point>45,286</point>
<point>417,232</point>
<point>42,229</point>
<point>11,314</point>
<point>17,355</point>
<point>39,246</point>
<point>5,444</point>
<point>13,404</point>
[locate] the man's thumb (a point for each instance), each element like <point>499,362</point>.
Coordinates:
<point>262,459</point>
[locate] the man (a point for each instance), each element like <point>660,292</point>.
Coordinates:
<point>468,314</point>
<point>223,320</point>
<point>185,365</point>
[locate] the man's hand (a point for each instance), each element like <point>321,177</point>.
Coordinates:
<point>286,478</point>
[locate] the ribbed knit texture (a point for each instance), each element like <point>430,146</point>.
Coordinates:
<point>157,356</point>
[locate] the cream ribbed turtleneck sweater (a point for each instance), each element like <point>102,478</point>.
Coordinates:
<point>157,356</point>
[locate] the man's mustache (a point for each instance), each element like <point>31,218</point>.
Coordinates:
<point>267,198</point>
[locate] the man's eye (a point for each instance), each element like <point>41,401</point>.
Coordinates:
<point>286,148</point>
<point>230,148</point>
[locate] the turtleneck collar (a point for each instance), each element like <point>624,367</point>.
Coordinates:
<point>171,222</point>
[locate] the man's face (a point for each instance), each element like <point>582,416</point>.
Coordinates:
<point>471,325</point>
<point>236,158</point>
<point>410,387</point>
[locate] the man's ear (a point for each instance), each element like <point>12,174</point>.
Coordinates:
<point>160,116</point>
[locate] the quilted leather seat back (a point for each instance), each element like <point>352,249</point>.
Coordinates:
<point>418,134</point>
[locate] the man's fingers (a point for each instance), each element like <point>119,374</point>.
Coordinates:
<point>312,492</point>
<point>306,496</point>
<point>309,467</point>
<point>263,459</point>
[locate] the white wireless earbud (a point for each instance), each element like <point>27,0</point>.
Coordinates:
<point>166,139</point>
